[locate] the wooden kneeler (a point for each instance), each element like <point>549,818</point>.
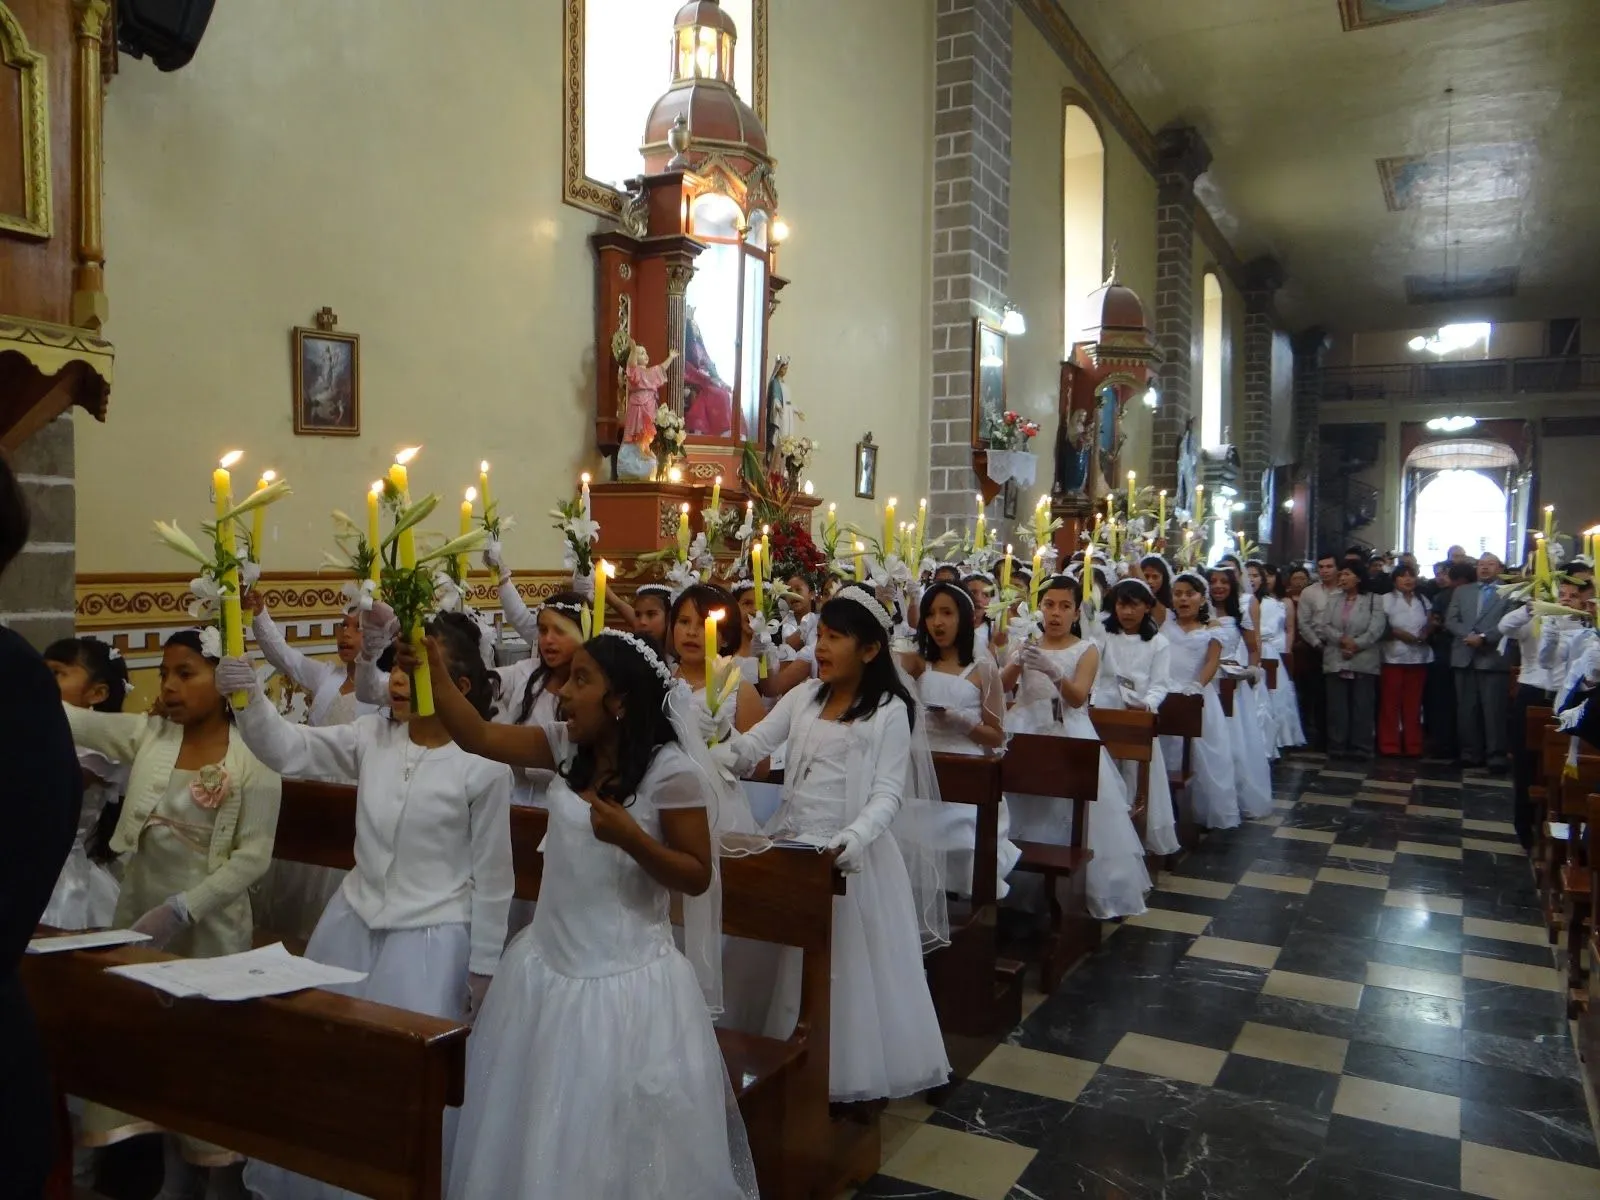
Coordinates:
<point>1182,716</point>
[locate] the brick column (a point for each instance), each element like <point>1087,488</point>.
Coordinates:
<point>1182,157</point>
<point>1309,347</point>
<point>36,592</point>
<point>971,228</point>
<point>1264,277</point>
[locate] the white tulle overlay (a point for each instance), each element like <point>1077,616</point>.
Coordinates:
<point>1284,704</point>
<point>1116,879</point>
<point>1213,790</point>
<point>1251,767</point>
<point>423,970</point>
<point>593,1069</point>
<point>85,895</point>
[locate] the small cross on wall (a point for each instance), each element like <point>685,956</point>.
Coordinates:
<point>326,319</point>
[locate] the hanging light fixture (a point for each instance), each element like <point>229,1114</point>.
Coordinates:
<point>1012,322</point>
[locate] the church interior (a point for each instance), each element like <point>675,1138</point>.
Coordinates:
<point>663,296</point>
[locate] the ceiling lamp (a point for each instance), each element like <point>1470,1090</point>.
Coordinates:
<point>1451,338</point>
<point>1451,424</point>
<point>1012,322</point>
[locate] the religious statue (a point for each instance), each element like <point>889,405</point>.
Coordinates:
<point>1269,506</point>
<point>1188,464</point>
<point>708,406</point>
<point>644,383</point>
<point>1073,448</point>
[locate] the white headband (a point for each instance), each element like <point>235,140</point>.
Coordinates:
<point>651,658</point>
<point>983,575</point>
<point>652,589</point>
<point>565,607</point>
<point>741,585</point>
<point>944,585</point>
<point>1135,581</point>
<point>1195,578</point>
<point>870,603</point>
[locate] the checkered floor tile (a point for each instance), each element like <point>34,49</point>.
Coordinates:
<point>1353,999</point>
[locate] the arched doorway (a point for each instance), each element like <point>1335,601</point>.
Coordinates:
<point>1083,212</point>
<point>1457,494</point>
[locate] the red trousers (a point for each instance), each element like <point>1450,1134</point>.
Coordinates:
<point>1400,709</point>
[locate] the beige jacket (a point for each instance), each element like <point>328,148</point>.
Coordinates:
<point>247,820</point>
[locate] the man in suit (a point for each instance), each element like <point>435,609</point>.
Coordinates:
<point>1481,671</point>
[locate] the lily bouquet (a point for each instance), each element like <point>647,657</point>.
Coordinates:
<point>579,531</point>
<point>356,557</point>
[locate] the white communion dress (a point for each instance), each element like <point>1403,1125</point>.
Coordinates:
<point>1259,693</point>
<point>884,1038</point>
<point>955,826</point>
<point>593,1069</point>
<point>1134,669</point>
<point>1116,879</point>
<point>85,895</point>
<point>1283,702</point>
<point>1213,792</point>
<point>1252,768</point>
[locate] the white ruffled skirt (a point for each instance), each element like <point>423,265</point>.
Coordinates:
<point>1213,787</point>
<point>85,895</point>
<point>1251,765</point>
<point>1286,710</point>
<point>953,828</point>
<point>604,1086</point>
<point>424,970</point>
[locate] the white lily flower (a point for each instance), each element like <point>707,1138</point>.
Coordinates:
<point>211,642</point>
<point>681,575</point>
<point>359,596</point>
<point>249,572</point>
<point>582,529</point>
<point>507,524</point>
<point>446,595</point>
<point>207,600</point>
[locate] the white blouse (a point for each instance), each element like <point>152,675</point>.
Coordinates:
<point>322,681</point>
<point>1411,618</point>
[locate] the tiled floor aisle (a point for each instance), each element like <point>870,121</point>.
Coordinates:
<point>1353,998</point>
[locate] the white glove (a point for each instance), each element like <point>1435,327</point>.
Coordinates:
<point>1590,665</point>
<point>724,755</point>
<point>492,556</point>
<point>1035,659</point>
<point>237,675</point>
<point>852,851</point>
<point>163,923</point>
<point>808,626</point>
<point>713,728</point>
<point>583,585</point>
<point>477,991</point>
<point>379,626</point>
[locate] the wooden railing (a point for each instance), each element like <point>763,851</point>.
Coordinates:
<point>1502,378</point>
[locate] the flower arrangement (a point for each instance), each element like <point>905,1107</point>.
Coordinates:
<point>667,445</point>
<point>795,553</point>
<point>357,557</point>
<point>1009,431</point>
<point>795,452</point>
<point>580,532</point>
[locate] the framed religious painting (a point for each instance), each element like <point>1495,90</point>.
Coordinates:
<point>866,468</point>
<point>988,380</point>
<point>327,379</point>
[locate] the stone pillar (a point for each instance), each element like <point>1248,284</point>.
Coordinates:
<point>1182,157</point>
<point>36,592</point>
<point>1264,277</point>
<point>1309,347</point>
<point>971,228</point>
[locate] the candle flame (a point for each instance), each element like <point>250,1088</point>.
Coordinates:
<point>923,503</point>
<point>766,529</point>
<point>1008,549</point>
<point>472,495</point>
<point>717,614</point>
<point>583,479</point>
<point>608,569</point>
<point>406,455</point>
<point>483,467</point>
<point>674,475</point>
<point>719,480</point>
<point>268,476</point>
<point>377,487</point>
<point>231,457</point>
<point>684,508</point>
<point>832,507</point>
<point>806,488</point>
<point>893,501</point>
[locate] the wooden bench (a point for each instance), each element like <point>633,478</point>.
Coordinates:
<point>976,992</point>
<point>1039,764</point>
<point>1270,667</point>
<point>339,1089</point>
<point>1576,877</point>
<point>1129,735</point>
<point>1183,717</point>
<point>783,896</point>
<point>1225,689</point>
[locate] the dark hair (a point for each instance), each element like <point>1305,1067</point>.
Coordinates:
<point>1327,556</point>
<point>385,661</point>
<point>1463,572</point>
<point>1244,577</point>
<point>1296,569</point>
<point>880,681</point>
<point>1230,608</point>
<point>13,515</point>
<point>966,629</point>
<point>1442,565</point>
<point>190,640</point>
<point>1065,583</point>
<point>705,597</point>
<point>1131,589</point>
<point>1404,568</point>
<point>94,656</point>
<point>1164,592</point>
<point>643,727</point>
<point>1204,615</point>
<point>539,679</point>
<point>954,570</point>
<point>461,639</point>
<point>1355,568</point>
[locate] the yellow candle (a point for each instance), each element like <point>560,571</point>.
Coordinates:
<point>258,519</point>
<point>1132,490</point>
<point>759,567</point>
<point>683,532</point>
<point>712,617</point>
<point>922,528</point>
<point>463,563</point>
<point>583,494</point>
<point>597,614</point>
<point>406,547</point>
<point>232,620</point>
<point>716,495</point>
<point>766,547</point>
<point>1038,578</point>
<point>1549,521</point>
<point>1199,502</point>
<point>888,527</point>
<point>861,562</point>
<point>1161,521</point>
<point>977,537</point>
<point>832,525</point>
<point>1005,570</point>
<point>374,536</point>
<point>483,483</point>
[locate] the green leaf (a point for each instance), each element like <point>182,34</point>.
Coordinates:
<point>411,517</point>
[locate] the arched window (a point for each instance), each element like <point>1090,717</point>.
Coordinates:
<point>1083,205</point>
<point>619,60</point>
<point>1460,508</point>
<point>1212,355</point>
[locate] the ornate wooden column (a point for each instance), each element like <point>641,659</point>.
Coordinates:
<point>89,306</point>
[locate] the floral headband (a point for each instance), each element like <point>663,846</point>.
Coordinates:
<point>983,575</point>
<point>655,589</point>
<point>741,585</point>
<point>565,607</point>
<point>870,603</point>
<point>651,658</point>
<point>946,588</point>
<point>1194,579</point>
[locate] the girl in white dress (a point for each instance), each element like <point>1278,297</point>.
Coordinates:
<point>965,703</point>
<point>688,646</point>
<point>1135,673</point>
<point>1251,767</point>
<point>1158,575</point>
<point>851,756</point>
<point>1282,705</point>
<point>527,692</point>
<point>1054,678</point>
<point>593,1069</point>
<point>979,586</point>
<point>423,913</point>
<point>784,669</point>
<point>90,674</point>
<point>1194,657</point>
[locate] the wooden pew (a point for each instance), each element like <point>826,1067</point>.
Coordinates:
<point>1270,667</point>
<point>1129,735</point>
<point>1576,877</point>
<point>332,1087</point>
<point>1182,716</point>
<point>1225,689</point>
<point>1067,769</point>
<point>783,896</point>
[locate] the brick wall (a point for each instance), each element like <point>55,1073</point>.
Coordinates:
<point>1182,158</point>
<point>36,592</point>
<point>971,228</point>
<point>1309,347</point>
<point>1254,434</point>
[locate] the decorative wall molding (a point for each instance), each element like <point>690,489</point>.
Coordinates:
<point>36,219</point>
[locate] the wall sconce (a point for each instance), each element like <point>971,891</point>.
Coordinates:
<point>1152,398</point>
<point>780,231</point>
<point>1012,322</point>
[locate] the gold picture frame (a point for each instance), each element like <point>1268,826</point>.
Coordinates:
<point>327,380</point>
<point>35,220</point>
<point>989,360</point>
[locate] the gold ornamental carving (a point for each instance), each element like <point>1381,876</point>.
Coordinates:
<point>678,277</point>
<point>35,219</point>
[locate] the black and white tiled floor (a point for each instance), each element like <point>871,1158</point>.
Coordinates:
<point>1354,998</point>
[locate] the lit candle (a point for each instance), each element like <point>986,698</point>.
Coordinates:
<point>1200,502</point>
<point>232,622</point>
<point>406,547</point>
<point>683,532</point>
<point>712,617</point>
<point>1541,559</point>
<point>674,475</point>
<point>759,567</point>
<point>977,537</point>
<point>1005,569</point>
<point>1549,521</point>
<point>1161,523</point>
<point>716,496</point>
<point>597,615</point>
<point>766,547</point>
<point>807,489</point>
<point>1037,579</point>
<point>583,494</point>
<point>922,528</point>
<point>483,483</point>
<point>463,563</point>
<point>374,535</point>
<point>888,527</point>
<point>861,562</point>
<point>750,513</point>
<point>832,523</point>
<point>258,519</point>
